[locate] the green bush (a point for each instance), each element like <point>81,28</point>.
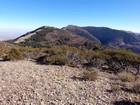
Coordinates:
<point>90,75</point>
<point>14,54</point>
<point>126,76</point>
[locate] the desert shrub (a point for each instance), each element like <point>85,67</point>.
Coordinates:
<point>126,76</point>
<point>93,54</point>
<point>54,59</point>
<point>90,75</point>
<point>32,53</point>
<point>92,58</point>
<point>136,86</point>
<point>123,56</point>
<point>14,54</point>
<point>42,59</point>
<point>116,59</point>
<point>115,88</point>
<point>121,59</point>
<point>58,60</point>
<point>72,53</point>
<point>97,48</point>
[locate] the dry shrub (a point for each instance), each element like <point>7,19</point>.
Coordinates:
<point>54,59</point>
<point>58,60</point>
<point>136,86</point>
<point>90,75</point>
<point>14,54</point>
<point>115,88</point>
<point>126,76</point>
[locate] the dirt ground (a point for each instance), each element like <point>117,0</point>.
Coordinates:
<point>28,83</point>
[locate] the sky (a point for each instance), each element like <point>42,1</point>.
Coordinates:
<point>31,14</point>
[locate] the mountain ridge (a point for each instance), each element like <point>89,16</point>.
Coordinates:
<point>113,37</point>
<point>49,36</point>
<point>76,35</point>
<point>84,33</point>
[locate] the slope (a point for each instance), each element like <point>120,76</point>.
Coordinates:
<point>50,36</point>
<point>82,32</point>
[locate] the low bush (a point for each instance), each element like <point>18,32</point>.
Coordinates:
<point>58,60</point>
<point>14,54</point>
<point>137,86</point>
<point>90,75</point>
<point>122,55</point>
<point>126,76</point>
<point>115,88</point>
<point>54,59</point>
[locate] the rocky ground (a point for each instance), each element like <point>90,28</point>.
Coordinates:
<point>28,83</point>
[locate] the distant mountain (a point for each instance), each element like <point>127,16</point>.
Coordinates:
<point>116,38</point>
<point>82,32</point>
<point>50,36</point>
<point>81,36</point>
<point>109,37</point>
<point>112,36</point>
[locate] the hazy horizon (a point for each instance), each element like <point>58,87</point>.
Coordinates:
<point>6,34</point>
<point>11,33</point>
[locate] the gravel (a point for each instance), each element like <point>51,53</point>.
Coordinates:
<point>28,83</point>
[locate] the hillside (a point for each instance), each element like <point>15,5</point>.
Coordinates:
<point>108,36</point>
<point>80,31</point>
<point>85,37</point>
<point>50,36</point>
<point>116,38</point>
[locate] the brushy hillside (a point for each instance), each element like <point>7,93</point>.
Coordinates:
<point>76,36</point>
<point>108,36</point>
<point>50,36</point>
<point>114,60</point>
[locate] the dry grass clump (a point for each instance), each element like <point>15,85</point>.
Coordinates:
<point>90,75</point>
<point>54,59</point>
<point>115,88</point>
<point>126,76</point>
<point>58,60</point>
<point>136,86</point>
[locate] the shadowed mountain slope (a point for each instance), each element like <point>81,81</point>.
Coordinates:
<point>109,37</point>
<point>116,38</point>
<point>82,32</point>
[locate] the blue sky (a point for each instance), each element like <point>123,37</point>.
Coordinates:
<point>31,14</point>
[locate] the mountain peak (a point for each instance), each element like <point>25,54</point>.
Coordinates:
<point>76,35</point>
<point>51,36</point>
